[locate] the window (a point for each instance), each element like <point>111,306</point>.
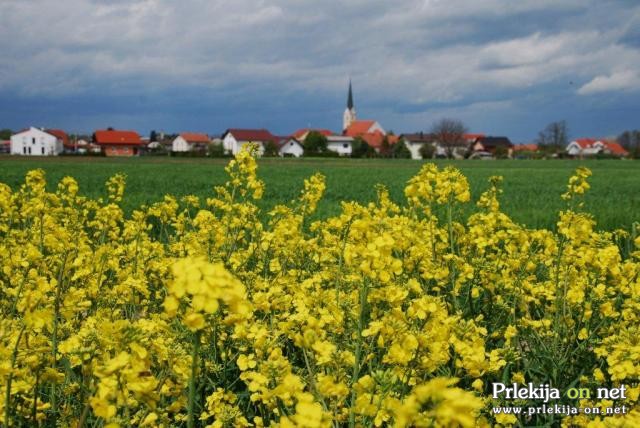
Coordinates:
<point>43,150</point>
<point>33,140</point>
<point>29,150</point>
<point>24,150</point>
<point>345,145</point>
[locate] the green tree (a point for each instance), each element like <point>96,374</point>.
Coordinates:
<point>427,151</point>
<point>400,150</point>
<point>385,148</point>
<point>315,143</point>
<point>270,149</point>
<point>501,152</point>
<point>215,150</point>
<point>5,134</point>
<point>361,149</point>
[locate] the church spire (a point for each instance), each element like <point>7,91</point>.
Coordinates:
<point>350,97</point>
<point>350,112</point>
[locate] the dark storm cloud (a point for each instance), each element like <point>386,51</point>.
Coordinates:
<point>285,63</point>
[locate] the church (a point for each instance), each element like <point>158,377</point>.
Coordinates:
<point>369,130</point>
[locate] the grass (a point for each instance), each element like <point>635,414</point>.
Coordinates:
<point>531,188</point>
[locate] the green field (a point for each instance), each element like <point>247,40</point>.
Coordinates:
<point>531,188</point>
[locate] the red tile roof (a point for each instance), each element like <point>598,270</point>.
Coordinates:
<point>525,147</point>
<point>359,127</point>
<point>472,137</point>
<point>301,132</point>
<point>117,137</point>
<point>376,138</point>
<point>194,137</point>
<point>586,143</point>
<point>615,148</point>
<point>251,134</point>
<point>60,134</point>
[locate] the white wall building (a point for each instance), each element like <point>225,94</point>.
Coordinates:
<point>291,147</point>
<point>190,141</point>
<point>36,142</point>
<point>341,144</point>
<point>234,139</point>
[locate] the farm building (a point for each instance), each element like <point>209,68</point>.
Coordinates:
<point>234,139</point>
<point>118,143</point>
<point>190,142</point>
<point>39,142</point>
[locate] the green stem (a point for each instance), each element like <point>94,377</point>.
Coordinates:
<point>358,356</point>
<point>192,380</point>
<point>7,397</point>
<point>54,339</point>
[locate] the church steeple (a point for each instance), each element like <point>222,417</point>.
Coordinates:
<point>350,112</point>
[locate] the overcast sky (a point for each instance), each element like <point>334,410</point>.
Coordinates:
<point>503,67</point>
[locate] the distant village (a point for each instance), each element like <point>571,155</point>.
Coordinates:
<point>359,138</point>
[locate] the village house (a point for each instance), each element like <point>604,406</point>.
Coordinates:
<point>118,143</point>
<point>301,134</point>
<point>39,142</point>
<point>416,143</point>
<point>495,146</point>
<point>340,144</point>
<point>591,147</point>
<point>290,147</point>
<point>190,142</point>
<point>234,139</point>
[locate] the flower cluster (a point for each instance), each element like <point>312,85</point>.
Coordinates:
<point>211,313</point>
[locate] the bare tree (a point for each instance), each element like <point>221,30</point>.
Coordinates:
<point>630,140</point>
<point>554,137</point>
<point>449,133</point>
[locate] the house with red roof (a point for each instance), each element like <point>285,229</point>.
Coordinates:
<point>591,147</point>
<point>118,143</point>
<point>496,146</point>
<point>532,147</point>
<point>38,142</point>
<point>357,128</point>
<point>190,142</point>
<point>371,132</point>
<point>234,139</point>
<point>301,134</point>
<point>5,146</point>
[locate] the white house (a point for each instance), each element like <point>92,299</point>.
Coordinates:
<point>234,139</point>
<point>290,147</point>
<point>190,141</point>
<point>585,147</point>
<point>591,147</point>
<point>415,143</point>
<point>341,144</point>
<point>37,142</point>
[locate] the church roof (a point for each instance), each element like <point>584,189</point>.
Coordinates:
<point>359,127</point>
